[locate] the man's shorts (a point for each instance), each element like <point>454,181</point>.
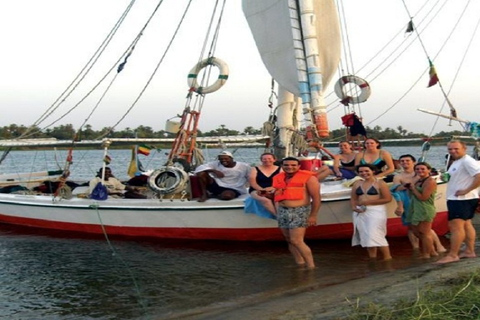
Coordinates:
<point>291,218</point>
<point>461,209</point>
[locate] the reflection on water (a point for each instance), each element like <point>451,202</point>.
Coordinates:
<point>55,277</point>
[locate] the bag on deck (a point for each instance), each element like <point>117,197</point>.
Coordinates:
<point>100,192</point>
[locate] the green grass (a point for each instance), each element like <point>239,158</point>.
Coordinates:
<point>454,299</point>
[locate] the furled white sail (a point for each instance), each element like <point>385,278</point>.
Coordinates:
<point>271,25</point>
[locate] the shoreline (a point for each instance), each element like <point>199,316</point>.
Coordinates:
<point>338,300</point>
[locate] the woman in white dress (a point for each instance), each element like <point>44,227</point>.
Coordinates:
<point>368,200</point>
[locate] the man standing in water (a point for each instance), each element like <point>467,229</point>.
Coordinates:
<point>462,200</point>
<point>297,198</point>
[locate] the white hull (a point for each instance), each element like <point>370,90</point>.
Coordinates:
<point>177,219</point>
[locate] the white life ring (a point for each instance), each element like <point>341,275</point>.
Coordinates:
<point>222,77</point>
<point>364,89</point>
<point>168,180</point>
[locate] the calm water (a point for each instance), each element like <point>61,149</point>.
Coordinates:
<point>55,277</point>
<point>59,277</point>
<point>87,162</point>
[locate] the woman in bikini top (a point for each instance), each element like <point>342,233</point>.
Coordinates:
<point>371,191</point>
<point>343,163</point>
<point>380,159</point>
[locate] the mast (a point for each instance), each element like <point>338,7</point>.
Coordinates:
<point>314,108</point>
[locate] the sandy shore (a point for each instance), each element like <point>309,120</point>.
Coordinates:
<point>337,301</point>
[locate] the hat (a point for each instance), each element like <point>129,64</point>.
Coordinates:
<point>226,153</point>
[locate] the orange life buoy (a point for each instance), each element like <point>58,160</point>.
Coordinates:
<point>361,83</point>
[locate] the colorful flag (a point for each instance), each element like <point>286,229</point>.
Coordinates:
<point>144,149</point>
<point>107,159</point>
<point>433,76</point>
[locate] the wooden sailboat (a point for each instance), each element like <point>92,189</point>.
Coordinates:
<point>300,45</point>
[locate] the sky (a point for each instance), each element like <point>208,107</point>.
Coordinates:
<point>46,43</point>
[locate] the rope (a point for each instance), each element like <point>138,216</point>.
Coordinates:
<point>389,56</point>
<point>154,71</point>
<point>198,156</point>
<point>420,76</point>
<point>119,257</point>
<point>452,109</point>
<point>80,76</point>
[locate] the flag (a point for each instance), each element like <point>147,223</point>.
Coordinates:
<point>144,149</point>
<point>410,27</point>
<point>433,75</point>
<point>133,168</point>
<point>107,159</point>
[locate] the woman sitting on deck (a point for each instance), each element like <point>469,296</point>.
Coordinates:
<point>380,159</point>
<point>343,163</point>
<point>261,190</point>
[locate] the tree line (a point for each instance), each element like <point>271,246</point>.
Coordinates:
<point>66,132</point>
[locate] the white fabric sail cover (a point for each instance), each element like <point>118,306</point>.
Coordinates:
<point>270,24</point>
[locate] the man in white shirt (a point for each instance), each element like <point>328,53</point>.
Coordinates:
<point>462,200</point>
<point>224,179</point>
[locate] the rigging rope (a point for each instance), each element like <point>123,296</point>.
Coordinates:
<point>81,75</point>
<point>154,71</point>
<point>389,56</point>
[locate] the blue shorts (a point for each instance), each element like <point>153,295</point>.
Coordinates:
<point>461,209</point>
<point>346,174</point>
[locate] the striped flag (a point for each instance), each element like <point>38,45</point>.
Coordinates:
<point>144,149</point>
<point>433,75</point>
<point>107,159</point>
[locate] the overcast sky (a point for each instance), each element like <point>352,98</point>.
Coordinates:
<point>46,43</point>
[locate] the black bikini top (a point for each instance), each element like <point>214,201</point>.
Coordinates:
<point>372,191</point>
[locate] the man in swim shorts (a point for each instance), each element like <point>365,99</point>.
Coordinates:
<point>462,200</point>
<point>297,198</point>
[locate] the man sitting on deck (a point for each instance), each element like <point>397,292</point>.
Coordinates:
<point>224,179</point>
<point>114,187</point>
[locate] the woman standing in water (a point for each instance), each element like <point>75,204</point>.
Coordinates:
<point>368,200</point>
<point>421,211</point>
<point>380,159</point>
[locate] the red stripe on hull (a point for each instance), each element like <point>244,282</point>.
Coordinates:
<point>332,231</point>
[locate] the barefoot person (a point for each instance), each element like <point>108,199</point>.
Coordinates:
<point>421,210</point>
<point>368,200</point>
<point>400,194</point>
<point>297,199</point>
<point>462,200</point>
<point>224,179</point>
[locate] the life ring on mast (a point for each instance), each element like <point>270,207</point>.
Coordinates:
<point>222,77</point>
<point>168,180</point>
<point>361,83</point>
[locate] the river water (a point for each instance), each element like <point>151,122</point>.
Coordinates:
<point>57,276</point>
